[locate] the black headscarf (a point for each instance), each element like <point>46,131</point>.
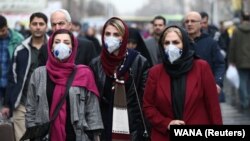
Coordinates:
<point>177,72</point>
<point>134,35</point>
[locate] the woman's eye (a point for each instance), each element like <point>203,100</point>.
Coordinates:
<point>166,43</point>
<point>176,42</point>
<point>107,34</point>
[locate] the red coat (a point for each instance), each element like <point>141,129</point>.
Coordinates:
<point>201,100</point>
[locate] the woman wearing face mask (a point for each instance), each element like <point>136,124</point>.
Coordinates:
<point>120,73</point>
<point>47,86</point>
<point>181,90</point>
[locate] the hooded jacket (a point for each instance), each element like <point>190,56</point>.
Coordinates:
<point>239,51</point>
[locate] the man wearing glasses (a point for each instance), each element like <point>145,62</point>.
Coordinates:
<point>205,47</point>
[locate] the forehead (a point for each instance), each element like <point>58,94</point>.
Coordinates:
<point>172,35</point>
<point>195,16</point>
<point>57,16</point>
<point>158,21</point>
<point>110,28</point>
<point>63,36</point>
<point>37,19</point>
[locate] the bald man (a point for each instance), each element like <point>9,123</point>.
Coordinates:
<point>193,24</point>
<point>61,19</point>
<point>205,46</point>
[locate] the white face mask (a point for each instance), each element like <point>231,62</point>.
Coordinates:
<point>173,53</point>
<point>75,33</point>
<point>62,51</point>
<point>112,43</point>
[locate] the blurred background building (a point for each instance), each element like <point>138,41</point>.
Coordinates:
<point>85,10</point>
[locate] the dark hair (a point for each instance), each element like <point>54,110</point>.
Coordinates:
<point>159,18</point>
<point>76,23</point>
<point>245,16</point>
<point>39,15</point>
<point>204,14</point>
<point>3,21</point>
<point>64,31</point>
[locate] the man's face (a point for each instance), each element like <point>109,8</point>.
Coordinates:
<point>38,27</point>
<point>75,28</point>
<point>204,23</point>
<point>158,26</point>
<point>192,24</point>
<point>3,32</point>
<point>58,21</point>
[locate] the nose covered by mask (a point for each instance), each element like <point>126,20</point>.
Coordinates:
<point>62,51</point>
<point>112,43</point>
<point>172,53</point>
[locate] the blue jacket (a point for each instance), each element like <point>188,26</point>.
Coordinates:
<point>209,50</point>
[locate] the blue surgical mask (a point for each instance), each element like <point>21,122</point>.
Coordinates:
<point>172,53</point>
<point>112,43</point>
<point>62,51</point>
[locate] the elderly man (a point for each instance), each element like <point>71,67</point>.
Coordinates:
<point>205,47</point>
<point>60,19</point>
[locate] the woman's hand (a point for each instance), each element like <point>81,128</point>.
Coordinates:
<point>176,122</point>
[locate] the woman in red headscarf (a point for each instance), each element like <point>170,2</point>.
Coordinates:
<point>120,73</point>
<point>80,113</point>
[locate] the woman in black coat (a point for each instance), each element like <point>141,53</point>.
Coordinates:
<point>118,71</point>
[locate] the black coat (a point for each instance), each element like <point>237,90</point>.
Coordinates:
<point>85,53</point>
<point>139,71</point>
<point>209,50</point>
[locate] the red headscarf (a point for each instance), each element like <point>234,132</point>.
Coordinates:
<point>59,72</point>
<point>110,61</point>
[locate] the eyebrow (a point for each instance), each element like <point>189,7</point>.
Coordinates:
<point>60,22</point>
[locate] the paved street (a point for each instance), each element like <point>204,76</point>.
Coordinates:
<point>230,109</point>
<point>232,116</point>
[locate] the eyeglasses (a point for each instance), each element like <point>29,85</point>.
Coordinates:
<point>191,21</point>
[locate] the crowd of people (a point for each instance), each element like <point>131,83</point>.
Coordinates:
<point>124,87</point>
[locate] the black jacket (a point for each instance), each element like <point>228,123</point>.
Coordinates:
<point>208,49</point>
<point>138,71</point>
<point>85,53</point>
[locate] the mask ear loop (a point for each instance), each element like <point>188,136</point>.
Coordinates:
<point>181,51</point>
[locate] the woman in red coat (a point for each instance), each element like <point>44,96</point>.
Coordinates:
<point>181,90</point>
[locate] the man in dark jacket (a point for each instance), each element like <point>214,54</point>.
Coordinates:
<point>159,24</point>
<point>212,30</point>
<point>205,47</point>
<point>60,19</point>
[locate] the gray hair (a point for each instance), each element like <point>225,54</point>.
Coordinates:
<point>65,12</point>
